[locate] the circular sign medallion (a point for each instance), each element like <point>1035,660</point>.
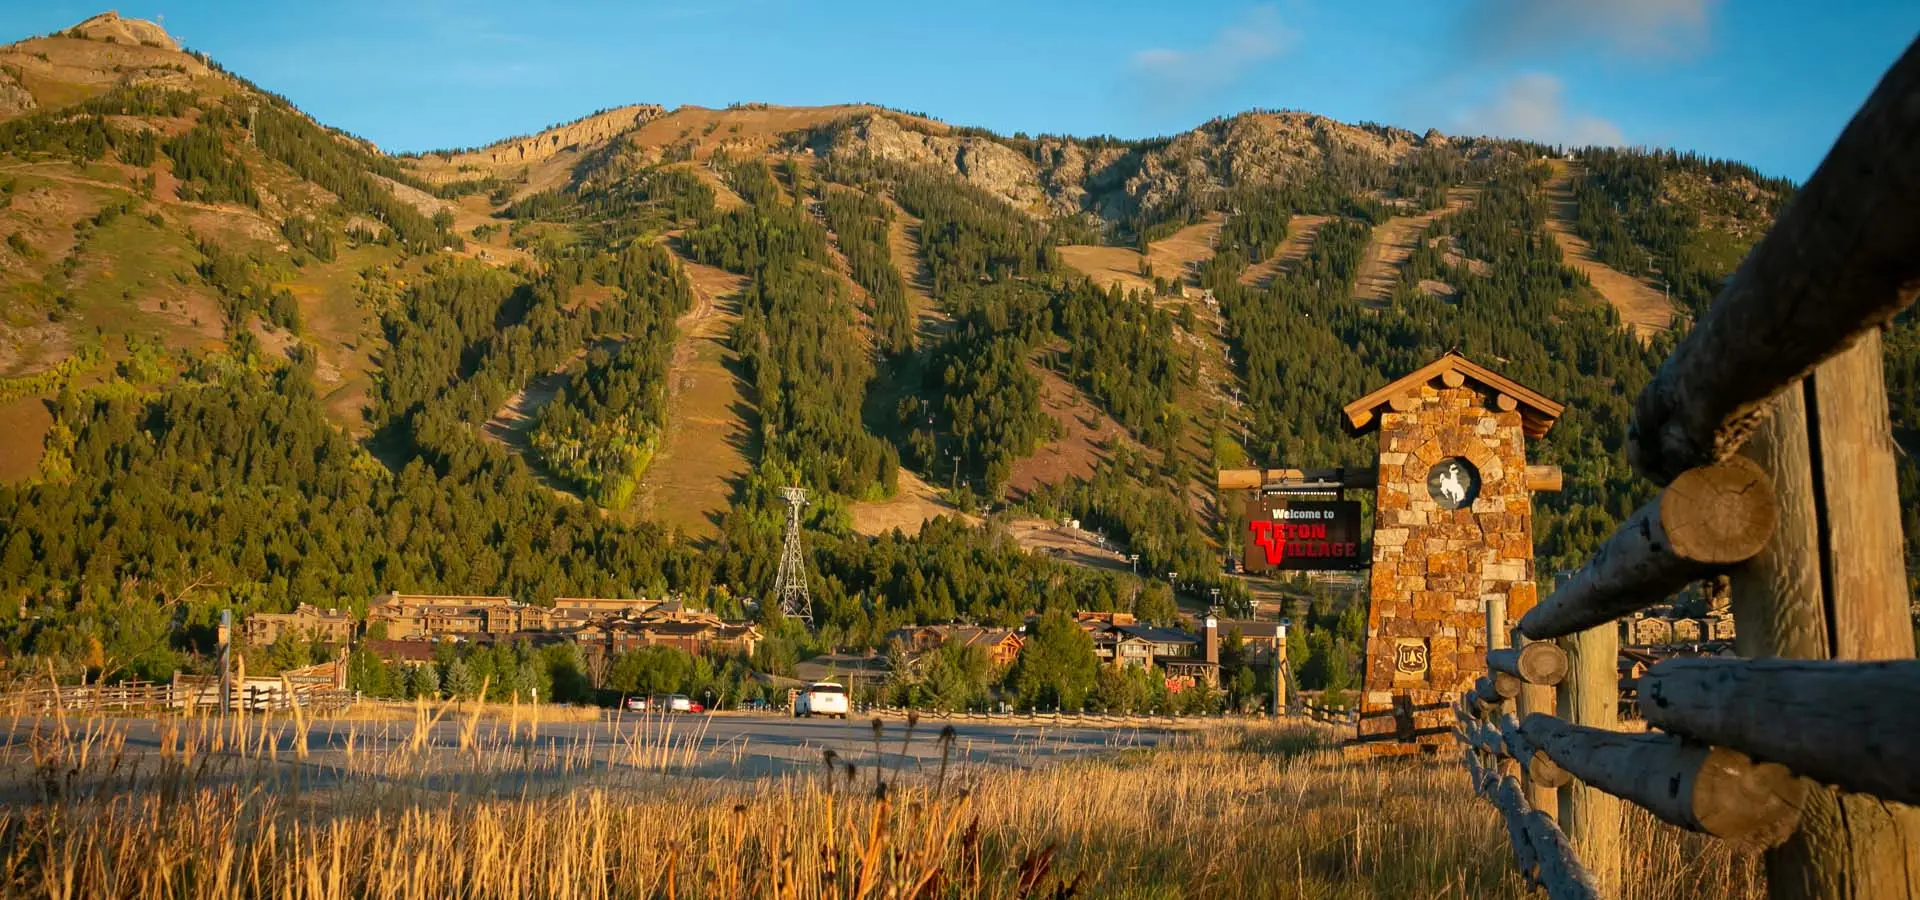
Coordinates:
<point>1453,483</point>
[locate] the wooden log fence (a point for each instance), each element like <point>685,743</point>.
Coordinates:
<point>1808,747</point>
<point>1331,715</point>
<point>144,697</point>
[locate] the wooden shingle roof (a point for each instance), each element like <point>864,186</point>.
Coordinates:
<point>1537,413</point>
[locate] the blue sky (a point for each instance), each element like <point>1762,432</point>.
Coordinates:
<point>1766,82</point>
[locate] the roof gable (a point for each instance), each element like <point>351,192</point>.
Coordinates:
<point>1537,413</point>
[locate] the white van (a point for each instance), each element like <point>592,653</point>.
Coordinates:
<point>822,698</point>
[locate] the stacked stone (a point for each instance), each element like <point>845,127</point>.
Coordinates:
<point>1435,568</point>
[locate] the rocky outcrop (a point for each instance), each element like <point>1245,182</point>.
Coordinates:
<point>980,161</point>
<point>1257,148</point>
<point>14,99</point>
<point>580,132</point>
<point>109,25</point>
<point>1064,176</point>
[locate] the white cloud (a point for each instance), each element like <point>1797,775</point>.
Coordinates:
<point>1176,79</point>
<point>1533,106</point>
<point>1507,29</point>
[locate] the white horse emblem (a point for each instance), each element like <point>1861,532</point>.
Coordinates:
<point>1452,485</point>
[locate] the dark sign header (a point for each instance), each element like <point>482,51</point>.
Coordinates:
<point>1303,535</point>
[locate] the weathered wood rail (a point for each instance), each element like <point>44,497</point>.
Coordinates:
<point>142,696</point>
<point>1331,715</point>
<point>1808,746</point>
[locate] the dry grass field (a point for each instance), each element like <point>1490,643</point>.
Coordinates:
<point>916,503</point>
<point>903,244</point>
<point>1230,812</point>
<point>1392,244</point>
<point>1085,430</point>
<point>21,441</point>
<point>1642,307</point>
<point>1175,258</point>
<point>710,422</point>
<point>1301,231</point>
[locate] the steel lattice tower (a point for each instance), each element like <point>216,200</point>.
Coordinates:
<point>790,586</point>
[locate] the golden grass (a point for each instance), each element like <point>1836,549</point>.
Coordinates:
<point>1241,811</point>
<point>1643,309</point>
<point>376,711</point>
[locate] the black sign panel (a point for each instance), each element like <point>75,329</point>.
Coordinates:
<point>1303,535</point>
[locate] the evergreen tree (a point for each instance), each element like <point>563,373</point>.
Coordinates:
<point>1056,668</point>
<point>460,683</point>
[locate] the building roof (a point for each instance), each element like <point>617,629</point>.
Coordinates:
<point>593,603</point>
<point>1537,413</point>
<point>438,599</point>
<point>412,651</point>
<point>303,611</point>
<point>1261,631</point>
<point>1158,635</point>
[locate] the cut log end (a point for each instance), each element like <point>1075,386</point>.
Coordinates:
<point>1754,804</point>
<point>1538,662</point>
<point>1720,514</point>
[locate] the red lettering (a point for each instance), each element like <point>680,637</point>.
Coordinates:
<point>1263,537</point>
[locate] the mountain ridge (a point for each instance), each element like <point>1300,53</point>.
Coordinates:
<point>915,319</point>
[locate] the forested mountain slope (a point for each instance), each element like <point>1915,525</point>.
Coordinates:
<point>249,361</point>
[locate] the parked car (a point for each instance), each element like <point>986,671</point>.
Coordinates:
<point>679,703</point>
<point>822,698</point>
<point>755,704</point>
<point>696,706</point>
<point>637,704</point>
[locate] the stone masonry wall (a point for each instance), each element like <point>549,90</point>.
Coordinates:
<point>1434,568</point>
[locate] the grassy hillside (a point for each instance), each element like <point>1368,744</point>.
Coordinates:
<point>581,360</point>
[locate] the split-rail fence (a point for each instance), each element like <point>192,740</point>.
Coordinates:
<point>1767,428</point>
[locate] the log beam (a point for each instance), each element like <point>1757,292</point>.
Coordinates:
<point>1541,769</point>
<point>1842,260</point>
<point>1538,662</point>
<point>1540,849</point>
<point>1706,520</point>
<point>1545,479</point>
<point>1255,479</point>
<point>1853,725</point>
<point>1706,789</point>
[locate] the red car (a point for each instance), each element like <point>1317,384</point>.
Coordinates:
<point>696,706</point>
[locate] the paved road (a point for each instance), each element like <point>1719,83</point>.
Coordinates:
<point>561,755</point>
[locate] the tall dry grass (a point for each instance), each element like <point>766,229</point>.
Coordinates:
<point>479,810</point>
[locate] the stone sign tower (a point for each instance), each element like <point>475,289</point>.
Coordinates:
<point>1453,525</point>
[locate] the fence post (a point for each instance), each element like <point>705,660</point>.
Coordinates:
<point>1590,696</point>
<point>1831,584</point>
<point>225,637</point>
<point>1534,698</point>
<point>1537,698</point>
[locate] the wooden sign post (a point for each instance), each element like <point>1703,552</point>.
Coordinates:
<point>1453,529</point>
